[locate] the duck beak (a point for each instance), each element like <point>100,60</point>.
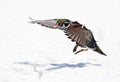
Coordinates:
<point>51,23</point>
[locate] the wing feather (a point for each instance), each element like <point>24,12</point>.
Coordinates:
<point>82,36</point>
<point>47,23</point>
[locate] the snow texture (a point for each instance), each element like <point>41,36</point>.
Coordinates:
<point>33,53</point>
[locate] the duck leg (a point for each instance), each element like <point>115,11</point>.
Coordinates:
<point>81,50</point>
<point>75,48</point>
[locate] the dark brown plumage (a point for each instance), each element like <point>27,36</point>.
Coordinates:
<point>83,37</point>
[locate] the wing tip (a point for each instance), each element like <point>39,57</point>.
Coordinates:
<point>33,21</point>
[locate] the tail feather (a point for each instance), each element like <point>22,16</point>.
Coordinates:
<point>97,49</point>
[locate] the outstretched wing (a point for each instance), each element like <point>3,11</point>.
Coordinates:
<point>81,35</point>
<point>47,23</point>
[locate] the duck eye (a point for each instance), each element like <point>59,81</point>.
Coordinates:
<point>66,24</point>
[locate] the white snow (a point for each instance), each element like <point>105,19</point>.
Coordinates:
<point>33,53</point>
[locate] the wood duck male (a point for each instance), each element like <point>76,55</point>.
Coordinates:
<point>75,31</point>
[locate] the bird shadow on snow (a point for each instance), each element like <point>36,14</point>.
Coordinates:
<point>56,66</point>
<point>40,69</point>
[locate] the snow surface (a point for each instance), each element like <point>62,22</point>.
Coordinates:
<point>32,53</point>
